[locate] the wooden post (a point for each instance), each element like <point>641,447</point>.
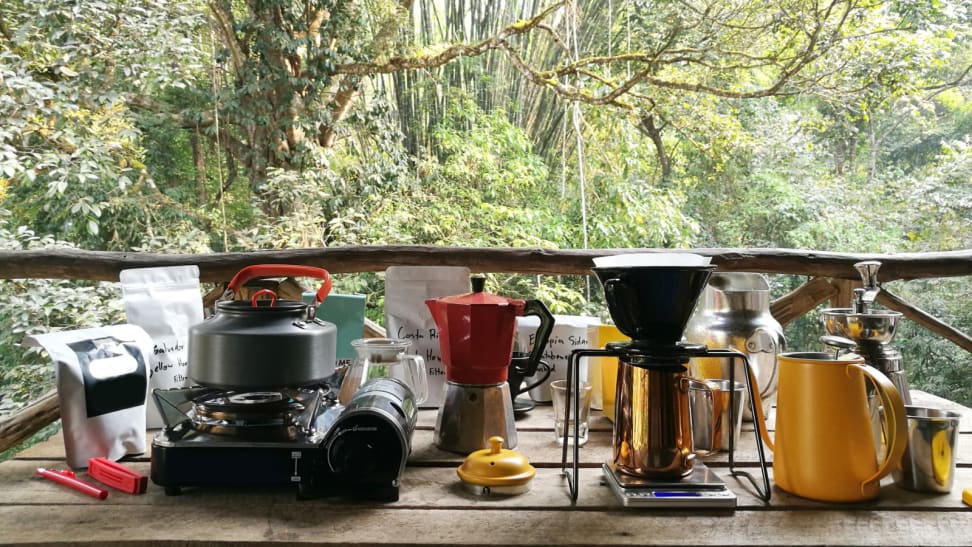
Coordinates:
<point>801,300</point>
<point>844,298</point>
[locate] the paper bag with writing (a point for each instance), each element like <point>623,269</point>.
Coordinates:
<point>165,302</point>
<point>407,316</point>
<point>570,332</point>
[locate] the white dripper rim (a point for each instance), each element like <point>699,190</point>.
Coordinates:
<point>651,259</point>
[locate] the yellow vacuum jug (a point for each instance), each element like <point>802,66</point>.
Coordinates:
<point>825,449</point>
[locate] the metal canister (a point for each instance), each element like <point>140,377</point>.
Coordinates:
<point>734,313</point>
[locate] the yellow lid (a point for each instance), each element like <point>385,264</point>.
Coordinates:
<point>967,496</point>
<point>496,466</point>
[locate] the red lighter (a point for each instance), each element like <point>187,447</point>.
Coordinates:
<point>117,476</point>
<point>67,478</point>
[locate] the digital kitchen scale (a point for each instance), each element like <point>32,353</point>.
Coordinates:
<point>701,489</point>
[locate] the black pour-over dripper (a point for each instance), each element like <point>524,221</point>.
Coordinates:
<point>652,304</point>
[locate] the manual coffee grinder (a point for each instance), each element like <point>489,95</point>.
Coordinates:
<point>653,464</point>
<point>867,330</point>
<point>476,340</point>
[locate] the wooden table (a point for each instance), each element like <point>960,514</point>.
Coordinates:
<point>434,509</point>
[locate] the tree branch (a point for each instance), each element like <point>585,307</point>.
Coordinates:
<point>5,30</point>
<point>148,104</point>
<point>396,64</point>
<point>224,20</point>
<point>347,92</point>
<point>948,85</point>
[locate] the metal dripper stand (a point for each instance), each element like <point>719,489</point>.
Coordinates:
<point>654,463</point>
<point>700,488</point>
<point>867,330</point>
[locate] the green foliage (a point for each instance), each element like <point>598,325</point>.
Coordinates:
<point>932,363</point>
<point>35,306</point>
<point>629,203</point>
<point>110,141</point>
<point>68,148</point>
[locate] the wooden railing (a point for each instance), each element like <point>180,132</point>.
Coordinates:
<point>831,277</point>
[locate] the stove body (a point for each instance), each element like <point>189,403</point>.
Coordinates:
<point>300,437</point>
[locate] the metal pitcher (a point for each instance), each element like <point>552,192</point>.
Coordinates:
<point>734,313</point>
<point>653,435</point>
<point>824,448</point>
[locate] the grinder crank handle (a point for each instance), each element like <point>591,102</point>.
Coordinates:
<point>538,308</point>
<point>258,271</point>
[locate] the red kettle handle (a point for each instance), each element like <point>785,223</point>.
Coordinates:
<point>258,271</point>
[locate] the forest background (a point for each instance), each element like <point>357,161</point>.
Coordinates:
<point>196,126</point>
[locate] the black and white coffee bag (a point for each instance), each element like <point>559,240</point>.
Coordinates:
<point>102,383</point>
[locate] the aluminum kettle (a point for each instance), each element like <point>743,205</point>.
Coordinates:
<point>734,313</point>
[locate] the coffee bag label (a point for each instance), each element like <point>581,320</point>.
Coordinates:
<point>570,332</point>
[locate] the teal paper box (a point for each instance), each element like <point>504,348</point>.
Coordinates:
<point>347,312</point>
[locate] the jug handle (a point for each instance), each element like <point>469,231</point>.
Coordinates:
<point>538,308</point>
<point>896,420</point>
<point>544,369</point>
<point>716,418</point>
<point>759,421</point>
<point>416,370</point>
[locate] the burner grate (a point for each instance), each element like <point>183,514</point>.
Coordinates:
<point>257,415</point>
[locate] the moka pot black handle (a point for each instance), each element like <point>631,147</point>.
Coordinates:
<point>538,308</point>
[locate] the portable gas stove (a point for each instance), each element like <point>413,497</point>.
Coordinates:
<point>299,436</point>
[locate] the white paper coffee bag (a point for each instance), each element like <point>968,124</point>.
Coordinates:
<point>165,302</point>
<point>570,332</point>
<point>406,315</point>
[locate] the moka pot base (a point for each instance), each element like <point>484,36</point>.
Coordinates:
<point>471,414</point>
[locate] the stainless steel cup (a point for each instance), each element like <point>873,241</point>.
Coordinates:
<point>713,411</point>
<point>928,464</point>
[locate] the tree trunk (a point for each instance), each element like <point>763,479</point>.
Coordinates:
<point>872,151</point>
<point>199,162</point>
<point>654,133</point>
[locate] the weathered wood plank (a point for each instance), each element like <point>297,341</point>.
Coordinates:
<point>105,265</point>
<point>799,301</point>
<point>435,509</point>
<point>844,297</point>
<point>540,419</point>
<point>29,420</point>
<point>440,488</point>
<point>538,447</point>
<point>356,525</point>
<point>536,440</point>
<point>926,320</point>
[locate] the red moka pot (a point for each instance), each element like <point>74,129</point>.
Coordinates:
<point>476,332</point>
